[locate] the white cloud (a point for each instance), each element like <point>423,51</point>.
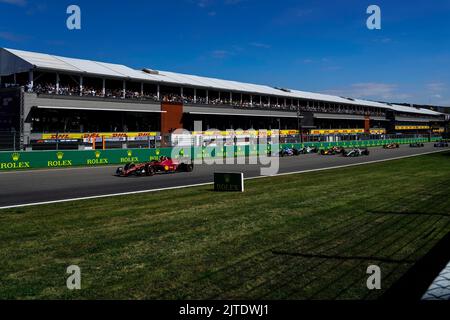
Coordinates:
<point>382,40</point>
<point>302,12</point>
<point>201,3</point>
<point>436,86</point>
<point>322,61</point>
<point>372,90</point>
<point>436,91</point>
<point>220,54</point>
<point>260,45</point>
<point>208,3</point>
<point>9,36</point>
<point>332,68</point>
<point>231,2</point>
<point>20,3</point>
<point>293,16</point>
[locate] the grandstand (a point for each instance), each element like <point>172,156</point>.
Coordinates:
<point>44,97</point>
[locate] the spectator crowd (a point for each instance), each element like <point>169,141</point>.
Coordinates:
<point>51,89</point>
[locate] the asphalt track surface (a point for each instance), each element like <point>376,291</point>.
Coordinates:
<point>27,187</point>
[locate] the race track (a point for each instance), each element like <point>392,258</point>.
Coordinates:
<point>27,187</point>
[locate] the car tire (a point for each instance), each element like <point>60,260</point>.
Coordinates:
<point>147,170</point>
<point>150,171</point>
<point>139,173</point>
<point>128,166</point>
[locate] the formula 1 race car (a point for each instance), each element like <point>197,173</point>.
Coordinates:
<point>163,165</point>
<point>391,146</point>
<point>289,152</point>
<point>441,144</point>
<point>332,151</point>
<point>307,150</point>
<point>356,152</point>
<point>416,145</point>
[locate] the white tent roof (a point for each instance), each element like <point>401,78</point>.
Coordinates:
<point>406,109</point>
<point>57,63</point>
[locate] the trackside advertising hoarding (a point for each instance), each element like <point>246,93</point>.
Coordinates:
<point>228,182</point>
<point>64,158</point>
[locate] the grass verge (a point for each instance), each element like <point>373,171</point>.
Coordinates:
<point>307,236</point>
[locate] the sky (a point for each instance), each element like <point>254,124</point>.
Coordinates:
<point>319,46</point>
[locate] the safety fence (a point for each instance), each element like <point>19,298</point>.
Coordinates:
<point>61,159</point>
<point>9,141</point>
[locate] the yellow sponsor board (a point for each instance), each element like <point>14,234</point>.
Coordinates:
<point>439,130</point>
<point>285,132</point>
<point>412,127</point>
<point>253,133</point>
<point>377,131</point>
<point>52,136</point>
<point>288,132</point>
<point>337,131</point>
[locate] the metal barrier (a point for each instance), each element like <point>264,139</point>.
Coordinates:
<point>9,141</point>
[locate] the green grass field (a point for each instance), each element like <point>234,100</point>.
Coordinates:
<point>309,236</point>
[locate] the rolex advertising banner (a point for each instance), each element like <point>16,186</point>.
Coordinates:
<point>228,182</point>
<point>64,158</point>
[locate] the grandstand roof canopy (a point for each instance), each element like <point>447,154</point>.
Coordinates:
<point>16,61</point>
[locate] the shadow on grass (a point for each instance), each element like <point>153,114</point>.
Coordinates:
<point>335,257</point>
<point>445,154</point>
<point>409,213</point>
<point>414,283</point>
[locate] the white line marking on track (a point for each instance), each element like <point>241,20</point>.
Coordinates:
<point>210,183</point>
<point>104,196</point>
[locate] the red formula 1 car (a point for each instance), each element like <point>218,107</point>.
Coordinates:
<point>163,165</point>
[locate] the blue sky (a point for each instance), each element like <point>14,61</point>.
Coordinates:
<point>321,46</point>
